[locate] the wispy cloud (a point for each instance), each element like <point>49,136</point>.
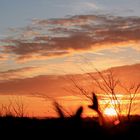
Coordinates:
<point>55,86</point>
<point>47,38</point>
<point>3,57</point>
<point>20,73</point>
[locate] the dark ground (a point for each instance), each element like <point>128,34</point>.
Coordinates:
<point>67,128</point>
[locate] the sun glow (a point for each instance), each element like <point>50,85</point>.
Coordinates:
<point>110,112</point>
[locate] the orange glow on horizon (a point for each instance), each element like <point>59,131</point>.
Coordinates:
<point>40,107</point>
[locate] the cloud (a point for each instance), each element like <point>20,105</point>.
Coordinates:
<point>20,73</point>
<point>47,38</point>
<point>3,57</point>
<point>60,85</point>
<point>90,5</point>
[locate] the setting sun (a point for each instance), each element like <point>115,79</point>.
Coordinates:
<point>110,112</point>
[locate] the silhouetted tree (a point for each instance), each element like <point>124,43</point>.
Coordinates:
<point>132,91</point>
<point>107,83</point>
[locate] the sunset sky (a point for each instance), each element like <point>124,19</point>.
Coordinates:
<point>43,39</point>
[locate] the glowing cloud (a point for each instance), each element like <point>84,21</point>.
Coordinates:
<point>49,38</point>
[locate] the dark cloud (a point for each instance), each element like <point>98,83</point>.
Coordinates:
<point>57,37</point>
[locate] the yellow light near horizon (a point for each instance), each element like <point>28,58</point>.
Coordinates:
<point>110,112</point>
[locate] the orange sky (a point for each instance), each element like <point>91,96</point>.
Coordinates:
<point>44,89</point>
<point>40,107</point>
<point>45,43</point>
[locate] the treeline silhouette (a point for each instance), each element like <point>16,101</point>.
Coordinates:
<point>73,125</point>
<point>70,126</point>
<point>13,118</point>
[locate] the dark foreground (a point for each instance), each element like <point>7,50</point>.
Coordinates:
<point>67,128</point>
